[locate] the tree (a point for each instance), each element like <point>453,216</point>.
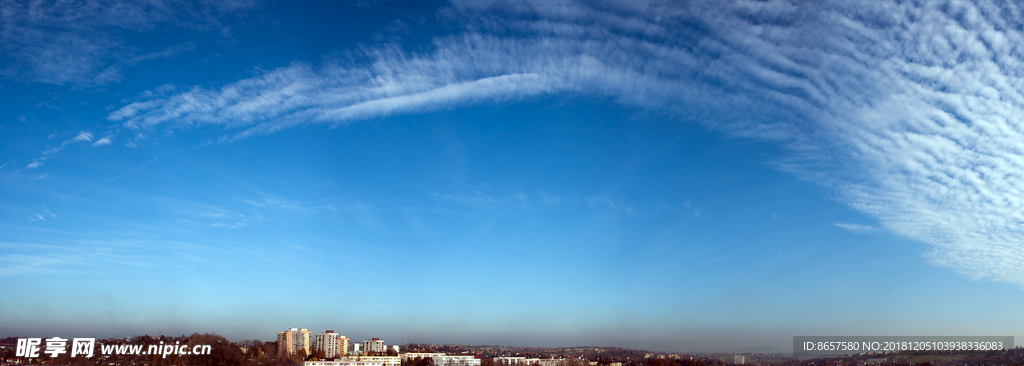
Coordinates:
<point>421,361</point>
<point>270,349</point>
<point>222,352</point>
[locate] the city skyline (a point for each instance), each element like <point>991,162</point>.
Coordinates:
<point>667,176</point>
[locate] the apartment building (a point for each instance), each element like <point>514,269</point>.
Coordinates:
<point>341,363</point>
<point>329,343</point>
<point>448,360</point>
<point>384,360</point>
<point>374,345</point>
<point>413,355</point>
<point>292,340</point>
<point>510,361</point>
<point>343,345</point>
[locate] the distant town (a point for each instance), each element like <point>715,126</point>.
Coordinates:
<point>301,347</point>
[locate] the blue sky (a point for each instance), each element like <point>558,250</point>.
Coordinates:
<point>673,177</point>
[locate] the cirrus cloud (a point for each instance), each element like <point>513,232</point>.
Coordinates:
<point>908,111</point>
<point>82,42</point>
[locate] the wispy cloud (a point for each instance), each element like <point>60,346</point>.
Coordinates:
<point>910,111</point>
<point>101,142</point>
<point>605,201</point>
<point>857,228</point>
<point>80,42</point>
<point>481,199</point>
<point>87,257</point>
<point>301,94</point>
<point>83,136</point>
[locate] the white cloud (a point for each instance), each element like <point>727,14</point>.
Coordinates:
<point>101,142</point>
<point>857,228</point>
<point>83,136</point>
<point>300,94</point>
<point>910,111</point>
<point>82,42</point>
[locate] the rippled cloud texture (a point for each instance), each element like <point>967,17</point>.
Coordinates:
<point>909,112</point>
<point>85,42</point>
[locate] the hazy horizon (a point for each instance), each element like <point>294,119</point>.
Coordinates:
<point>667,176</point>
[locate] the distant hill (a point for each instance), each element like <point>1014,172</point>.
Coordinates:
<point>760,349</point>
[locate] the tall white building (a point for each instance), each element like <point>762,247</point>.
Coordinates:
<point>375,345</point>
<point>292,340</point>
<point>343,345</point>
<point>328,342</point>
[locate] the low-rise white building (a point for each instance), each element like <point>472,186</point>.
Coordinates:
<point>545,362</point>
<point>510,361</point>
<point>412,355</point>
<point>384,360</point>
<point>441,359</point>
<point>341,363</point>
<point>448,360</point>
